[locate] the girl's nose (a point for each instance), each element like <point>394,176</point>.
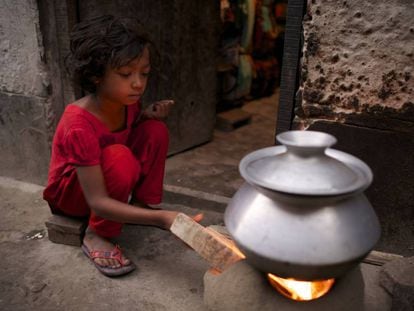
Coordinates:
<point>137,83</point>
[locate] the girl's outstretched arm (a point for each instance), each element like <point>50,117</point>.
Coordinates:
<point>93,185</point>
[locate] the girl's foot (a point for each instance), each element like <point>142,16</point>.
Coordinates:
<point>94,242</point>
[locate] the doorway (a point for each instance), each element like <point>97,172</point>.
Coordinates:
<point>249,72</point>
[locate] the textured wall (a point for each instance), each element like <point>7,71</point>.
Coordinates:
<point>23,93</point>
<point>359,59</point>
<point>357,83</point>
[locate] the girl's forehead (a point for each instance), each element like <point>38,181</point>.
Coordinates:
<point>140,61</point>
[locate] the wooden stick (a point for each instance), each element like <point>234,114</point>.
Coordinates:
<point>380,258</point>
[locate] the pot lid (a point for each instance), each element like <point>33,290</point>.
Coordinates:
<point>305,165</point>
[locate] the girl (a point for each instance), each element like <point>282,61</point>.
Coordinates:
<point>106,148</point>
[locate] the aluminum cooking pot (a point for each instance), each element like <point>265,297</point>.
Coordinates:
<point>301,212</point>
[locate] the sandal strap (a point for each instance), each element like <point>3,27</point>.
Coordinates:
<point>114,254</point>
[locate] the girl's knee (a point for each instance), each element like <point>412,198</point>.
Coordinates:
<point>120,165</point>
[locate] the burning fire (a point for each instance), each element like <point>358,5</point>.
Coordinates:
<point>300,290</point>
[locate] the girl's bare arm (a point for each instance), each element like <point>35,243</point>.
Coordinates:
<point>92,183</point>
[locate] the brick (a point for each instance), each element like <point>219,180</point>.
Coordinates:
<point>219,251</point>
<point>232,119</point>
<point>66,230</point>
<point>380,258</point>
<point>397,278</point>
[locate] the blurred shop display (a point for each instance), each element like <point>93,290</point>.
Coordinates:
<point>251,50</point>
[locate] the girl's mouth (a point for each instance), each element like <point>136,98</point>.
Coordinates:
<point>135,96</point>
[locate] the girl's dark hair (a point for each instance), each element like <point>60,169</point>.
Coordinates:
<point>105,41</point>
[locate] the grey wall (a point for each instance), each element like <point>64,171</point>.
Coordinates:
<point>359,59</point>
<point>24,151</point>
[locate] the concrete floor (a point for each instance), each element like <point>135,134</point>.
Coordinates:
<point>39,275</point>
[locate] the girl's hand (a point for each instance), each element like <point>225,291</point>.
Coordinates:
<point>158,110</point>
<point>169,217</point>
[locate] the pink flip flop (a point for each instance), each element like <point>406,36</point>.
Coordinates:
<point>114,254</point>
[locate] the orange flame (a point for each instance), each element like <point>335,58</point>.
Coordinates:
<point>300,290</point>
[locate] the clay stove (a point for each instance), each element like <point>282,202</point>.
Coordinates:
<point>381,282</point>
<point>243,287</point>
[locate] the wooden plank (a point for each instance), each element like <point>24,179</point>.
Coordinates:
<point>380,258</point>
<point>290,66</point>
<point>217,250</point>
<point>56,20</point>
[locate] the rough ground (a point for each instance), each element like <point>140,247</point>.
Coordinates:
<point>39,275</point>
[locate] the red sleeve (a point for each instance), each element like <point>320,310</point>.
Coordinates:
<point>81,147</point>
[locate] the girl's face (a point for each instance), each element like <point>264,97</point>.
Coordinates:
<point>125,85</point>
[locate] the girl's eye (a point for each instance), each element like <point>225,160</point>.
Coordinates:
<point>125,75</point>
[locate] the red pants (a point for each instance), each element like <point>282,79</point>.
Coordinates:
<point>137,169</point>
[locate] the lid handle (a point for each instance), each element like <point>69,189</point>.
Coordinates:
<point>306,143</point>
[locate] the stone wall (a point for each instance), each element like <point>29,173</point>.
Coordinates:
<point>359,60</point>
<point>357,82</point>
<point>23,93</point>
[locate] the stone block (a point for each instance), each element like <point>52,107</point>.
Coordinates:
<point>380,258</point>
<point>397,277</point>
<point>232,119</point>
<point>66,230</point>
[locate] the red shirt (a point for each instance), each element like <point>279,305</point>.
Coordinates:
<point>78,141</point>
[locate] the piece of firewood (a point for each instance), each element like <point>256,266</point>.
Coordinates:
<point>217,250</point>
<point>380,258</point>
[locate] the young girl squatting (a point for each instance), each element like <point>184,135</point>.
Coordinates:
<point>106,149</point>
